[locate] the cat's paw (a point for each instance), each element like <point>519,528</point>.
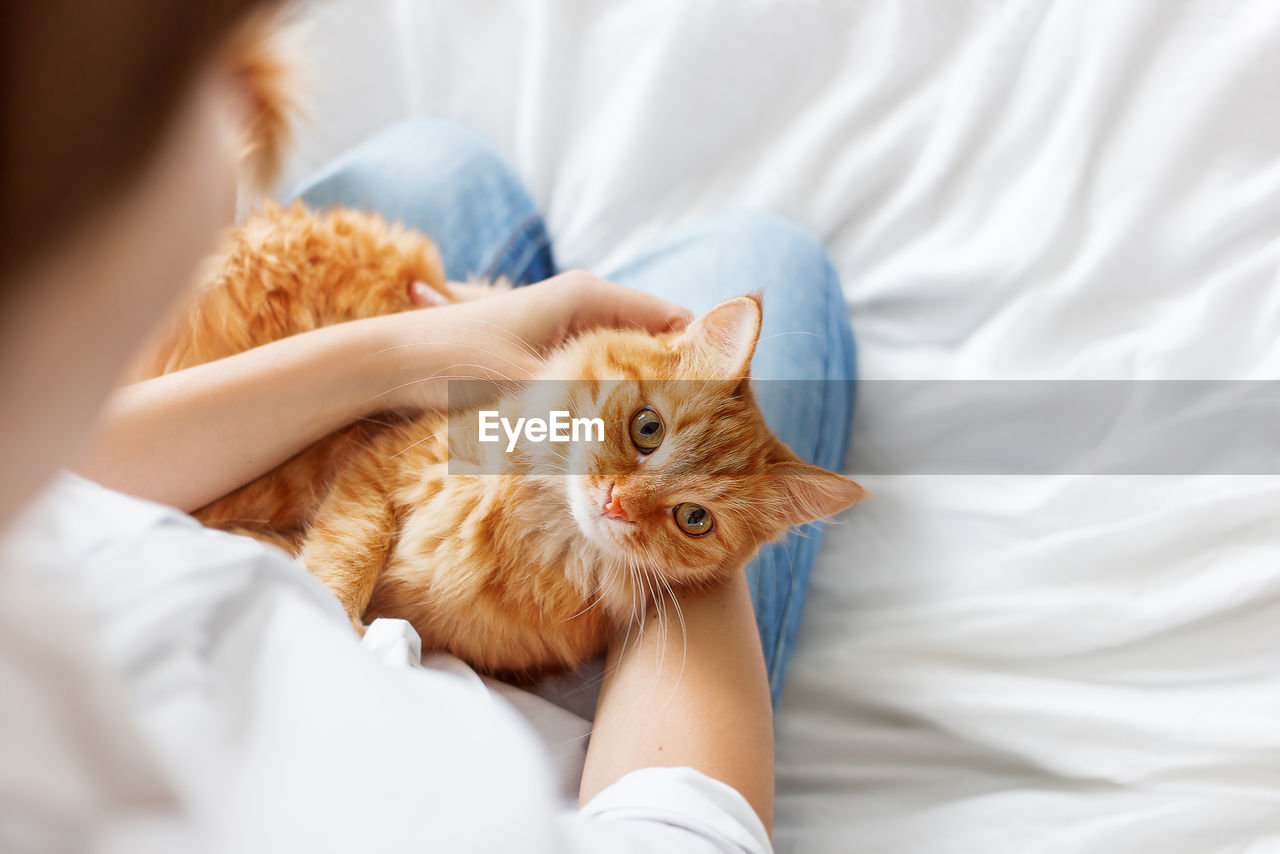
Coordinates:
<point>424,295</point>
<point>476,287</point>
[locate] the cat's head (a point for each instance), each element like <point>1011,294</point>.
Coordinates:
<point>688,480</point>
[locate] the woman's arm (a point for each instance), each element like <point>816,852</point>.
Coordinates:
<point>190,437</point>
<point>695,695</point>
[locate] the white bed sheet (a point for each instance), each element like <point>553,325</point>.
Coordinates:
<point>1020,189</point>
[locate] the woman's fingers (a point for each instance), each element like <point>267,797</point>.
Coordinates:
<point>539,317</point>
<point>500,337</point>
<point>625,306</point>
<point>580,301</point>
<point>603,303</point>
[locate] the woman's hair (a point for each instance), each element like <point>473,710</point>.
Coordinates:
<point>88,88</point>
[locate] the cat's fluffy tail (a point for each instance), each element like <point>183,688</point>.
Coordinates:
<point>268,85</point>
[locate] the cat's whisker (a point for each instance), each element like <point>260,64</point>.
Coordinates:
<point>784,334</point>
<point>664,618</point>
<point>654,582</point>
<point>440,375</point>
<point>638,622</point>
<point>632,619</point>
<point>520,343</point>
<point>663,623</point>
<point>515,365</point>
<point>369,419</point>
<point>648,593</point>
<point>429,438</point>
<point>640,597</point>
<point>434,377</point>
<point>493,377</point>
<point>684,635</point>
<point>508,336</point>
<point>501,333</point>
<point>598,593</point>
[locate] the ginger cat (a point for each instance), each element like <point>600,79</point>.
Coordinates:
<point>527,571</point>
<point>531,570</point>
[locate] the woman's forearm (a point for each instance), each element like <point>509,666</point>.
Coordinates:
<point>696,697</point>
<point>190,437</point>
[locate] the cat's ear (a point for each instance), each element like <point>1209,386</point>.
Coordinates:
<point>813,493</point>
<point>719,345</point>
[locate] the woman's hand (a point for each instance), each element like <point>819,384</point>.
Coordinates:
<point>501,336</point>
<point>570,303</point>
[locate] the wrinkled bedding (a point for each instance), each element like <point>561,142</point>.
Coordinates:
<point>990,662</point>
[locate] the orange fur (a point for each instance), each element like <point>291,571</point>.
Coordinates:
<point>285,271</point>
<point>265,84</point>
<point>519,573</point>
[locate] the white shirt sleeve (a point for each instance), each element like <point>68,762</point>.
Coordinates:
<point>262,724</point>
<point>673,809</point>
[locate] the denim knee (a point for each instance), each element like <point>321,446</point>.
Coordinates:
<point>421,151</point>
<point>765,227</point>
<point>770,235</point>
<point>448,182</point>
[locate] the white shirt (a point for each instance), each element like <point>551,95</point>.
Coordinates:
<point>165,687</point>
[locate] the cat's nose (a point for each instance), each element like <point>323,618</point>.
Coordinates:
<point>613,508</point>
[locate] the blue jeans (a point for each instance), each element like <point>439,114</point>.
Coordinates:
<point>450,184</point>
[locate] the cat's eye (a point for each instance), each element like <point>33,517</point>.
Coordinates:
<point>694,519</point>
<point>647,430</point>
